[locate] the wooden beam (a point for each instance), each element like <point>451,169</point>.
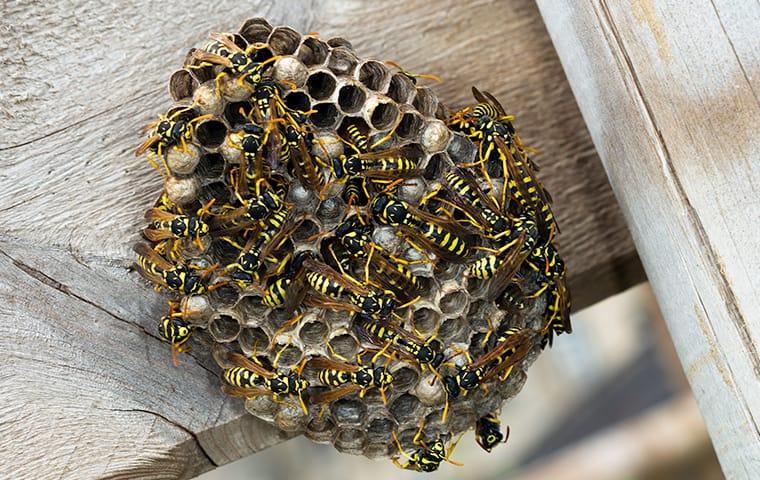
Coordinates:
<point>669,91</point>
<point>88,382</point>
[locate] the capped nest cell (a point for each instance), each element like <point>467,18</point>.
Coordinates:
<point>372,270</point>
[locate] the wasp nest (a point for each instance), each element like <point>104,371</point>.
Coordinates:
<point>373,270</point>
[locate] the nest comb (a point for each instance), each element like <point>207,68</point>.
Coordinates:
<point>341,89</point>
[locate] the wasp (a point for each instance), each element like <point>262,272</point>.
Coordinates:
<point>299,138</point>
<point>355,192</point>
<point>287,287</point>
<point>350,378</point>
<point>174,329</point>
<point>426,458</point>
<point>259,247</point>
<point>248,377</point>
<point>482,209</point>
<point>436,234</point>
<point>354,238</point>
<point>169,227</point>
<point>488,432</point>
<point>332,284</point>
<point>222,50</point>
<point>383,333</point>
<point>382,165</point>
<point>175,277</point>
<point>175,130</point>
<point>557,314</point>
<point>253,211</point>
<point>511,347</point>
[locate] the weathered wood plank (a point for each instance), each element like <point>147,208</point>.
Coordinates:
<point>669,91</point>
<point>78,83</point>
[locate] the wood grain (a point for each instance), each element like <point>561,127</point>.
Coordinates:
<point>669,91</point>
<point>91,390</point>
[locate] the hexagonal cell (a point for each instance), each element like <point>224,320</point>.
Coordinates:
<point>308,228</point>
<point>255,30</point>
<point>405,408</point>
<point>425,319</point>
<point>290,417</point>
<point>454,300</point>
<point>374,75</point>
<point>342,61</point>
<point>321,85</point>
<point>435,166</point>
<point>435,136</point>
<point>347,411</point>
<point>384,116</point>
<point>336,42</point>
<point>425,101</point>
<point>460,418</point>
<point>344,345</point>
<point>284,41</point>
<point>331,210</point>
<point>290,355</point>
<point>380,428</point>
<point>182,191</point>
<point>290,72</point>
<point>404,377</point>
<point>262,406</point>
<point>320,429</point>
<point>379,450</point>
<point>210,133</point>
<point>224,328</point>
<point>313,333</point>
<point>410,125</point>
<point>350,440</point>
<point>253,339</point>
<point>225,295</point>
<point>183,162</point>
<point>182,84</point>
<point>401,88</point>
<point>454,329</point>
<point>196,309</point>
<point>326,115</point>
<point>351,98</point>
<point>313,51</point>
<point>461,149</point>
<point>429,390</point>
<point>298,100</point>
<point>211,165</point>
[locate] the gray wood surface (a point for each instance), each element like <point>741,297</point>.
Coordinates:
<point>88,389</point>
<point>669,91</point>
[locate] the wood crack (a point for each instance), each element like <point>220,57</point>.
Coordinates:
<point>171,422</point>
<point>79,122</point>
<point>714,267</point>
<point>44,278</point>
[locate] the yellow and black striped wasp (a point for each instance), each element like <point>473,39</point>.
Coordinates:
<point>366,162</point>
<point>481,210</point>
<point>222,50</point>
<point>286,287</point>
<point>347,293</point>
<point>426,458</point>
<point>443,237</point>
<point>298,136</point>
<point>349,378</point>
<point>174,130</point>
<point>352,243</point>
<point>176,330</point>
<point>557,313</point>
<point>488,432</point>
<point>248,378</point>
<point>177,278</point>
<point>511,347</point>
<point>383,333</point>
<point>260,246</point>
<point>169,227</point>
<point>268,198</point>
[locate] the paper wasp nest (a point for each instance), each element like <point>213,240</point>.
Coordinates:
<point>326,77</point>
